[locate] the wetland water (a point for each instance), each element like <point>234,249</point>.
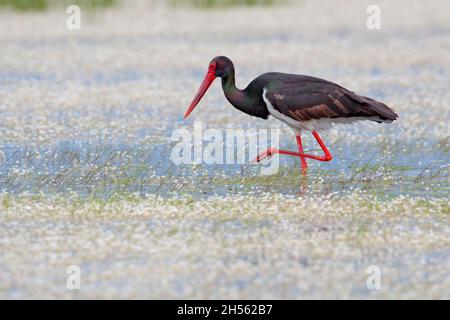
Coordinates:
<point>102,169</point>
<point>86,177</point>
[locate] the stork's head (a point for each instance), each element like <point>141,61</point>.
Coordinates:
<point>221,67</point>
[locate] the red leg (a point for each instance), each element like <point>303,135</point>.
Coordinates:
<point>327,155</point>
<point>303,163</point>
<point>271,151</point>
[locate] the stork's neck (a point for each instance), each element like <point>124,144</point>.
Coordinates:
<point>243,100</point>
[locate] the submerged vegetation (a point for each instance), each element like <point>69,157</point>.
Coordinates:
<point>105,170</point>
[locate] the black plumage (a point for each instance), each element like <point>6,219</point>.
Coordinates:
<point>303,98</point>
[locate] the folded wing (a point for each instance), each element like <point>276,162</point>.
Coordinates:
<point>304,98</point>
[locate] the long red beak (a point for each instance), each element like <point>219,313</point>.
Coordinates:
<point>209,78</point>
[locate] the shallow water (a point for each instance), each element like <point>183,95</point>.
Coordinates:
<point>102,169</point>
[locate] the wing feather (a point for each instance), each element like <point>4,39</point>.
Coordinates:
<point>304,98</point>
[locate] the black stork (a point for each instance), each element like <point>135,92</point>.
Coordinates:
<point>302,102</point>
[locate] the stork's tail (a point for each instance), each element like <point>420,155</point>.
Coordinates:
<point>374,108</point>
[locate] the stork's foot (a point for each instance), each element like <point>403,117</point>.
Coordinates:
<point>263,155</point>
<point>324,158</point>
<point>270,152</point>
